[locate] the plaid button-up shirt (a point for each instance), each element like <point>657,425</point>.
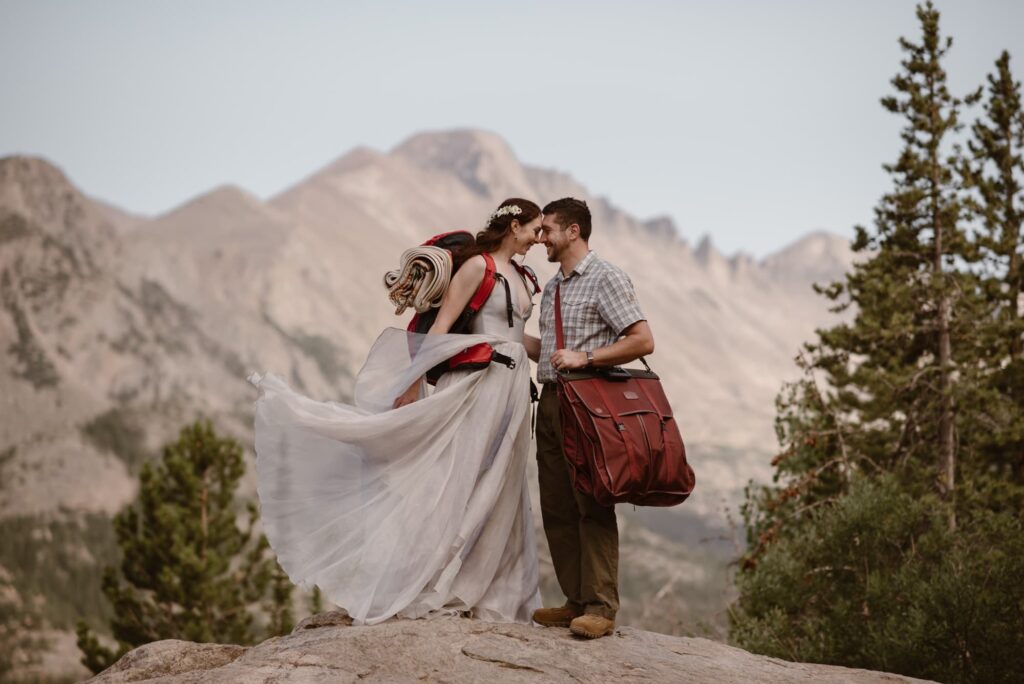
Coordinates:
<point>598,303</point>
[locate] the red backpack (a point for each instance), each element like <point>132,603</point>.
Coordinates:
<point>479,355</point>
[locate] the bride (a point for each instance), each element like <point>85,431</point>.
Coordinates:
<point>408,503</point>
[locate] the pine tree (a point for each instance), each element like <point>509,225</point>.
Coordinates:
<point>995,173</point>
<point>188,570</point>
<point>912,301</point>
<point>894,372</point>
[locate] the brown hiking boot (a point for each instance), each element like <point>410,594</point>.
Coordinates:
<point>592,626</point>
<point>554,617</point>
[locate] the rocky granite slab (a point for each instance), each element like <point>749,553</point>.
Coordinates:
<point>326,648</point>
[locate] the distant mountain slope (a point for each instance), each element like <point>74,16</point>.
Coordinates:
<point>292,285</point>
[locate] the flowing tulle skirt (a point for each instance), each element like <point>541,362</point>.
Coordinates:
<point>411,511</point>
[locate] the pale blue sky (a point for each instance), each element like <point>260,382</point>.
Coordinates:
<point>755,122</point>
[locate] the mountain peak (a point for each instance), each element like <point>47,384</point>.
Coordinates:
<point>222,199</point>
<point>816,257</point>
<point>230,192</point>
<point>25,166</point>
<point>356,157</point>
<point>480,159</point>
<point>26,182</point>
<point>227,213</point>
<point>706,252</point>
<point>663,227</point>
<point>816,246</point>
<point>429,145</point>
<point>40,191</point>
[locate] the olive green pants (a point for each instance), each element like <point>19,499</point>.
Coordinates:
<point>583,536</point>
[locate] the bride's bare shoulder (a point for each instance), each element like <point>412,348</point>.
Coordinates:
<point>472,270</point>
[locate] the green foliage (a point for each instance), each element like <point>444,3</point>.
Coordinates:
<point>915,308</point>
<point>279,607</point>
<point>994,173</point>
<point>53,565</point>
<point>48,577</point>
<point>95,655</point>
<point>880,581</point>
<point>19,647</point>
<point>891,535</point>
<point>188,570</point>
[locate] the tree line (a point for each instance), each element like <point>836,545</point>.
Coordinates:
<point>891,537</point>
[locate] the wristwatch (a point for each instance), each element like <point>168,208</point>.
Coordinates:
<point>590,359</point>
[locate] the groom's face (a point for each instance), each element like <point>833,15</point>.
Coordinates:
<point>554,237</point>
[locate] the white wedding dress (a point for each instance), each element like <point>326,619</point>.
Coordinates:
<point>411,512</point>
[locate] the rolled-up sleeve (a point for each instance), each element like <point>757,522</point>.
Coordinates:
<point>617,302</point>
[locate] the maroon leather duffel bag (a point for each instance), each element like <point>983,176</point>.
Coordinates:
<point>620,439</point>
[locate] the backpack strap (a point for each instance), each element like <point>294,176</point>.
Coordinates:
<point>452,236</point>
<point>486,285</point>
<point>527,273</point>
<point>528,277</point>
<point>508,298</point>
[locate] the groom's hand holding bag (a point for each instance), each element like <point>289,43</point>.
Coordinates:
<point>620,439</point>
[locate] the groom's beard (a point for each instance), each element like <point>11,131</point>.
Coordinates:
<point>554,254</point>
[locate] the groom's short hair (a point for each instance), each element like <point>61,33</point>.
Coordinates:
<point>568,211</point>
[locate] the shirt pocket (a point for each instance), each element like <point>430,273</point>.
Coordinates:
<point>579,312</point>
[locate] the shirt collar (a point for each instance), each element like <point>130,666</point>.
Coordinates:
<point>581,267</point>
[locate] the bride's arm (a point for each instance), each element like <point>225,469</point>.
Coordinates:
<point>464,283</point>
<point>532,345</point>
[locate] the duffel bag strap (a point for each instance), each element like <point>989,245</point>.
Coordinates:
<point>559,336</point>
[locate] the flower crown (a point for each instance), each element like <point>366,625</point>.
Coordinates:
<point>507,209</point>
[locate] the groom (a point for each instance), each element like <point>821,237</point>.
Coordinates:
<point>603,326</point>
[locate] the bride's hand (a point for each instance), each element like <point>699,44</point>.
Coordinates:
<point>408,396</point>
